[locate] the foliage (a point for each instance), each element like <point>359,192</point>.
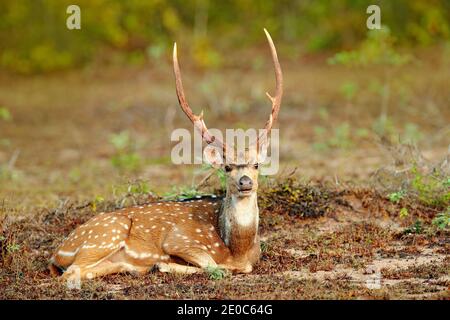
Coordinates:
<point>5,114</point>
<point>442,220</point>
<point>395,197</point>
<point>125,157</point>
<point>34,37</point>
<point>182,193</point>
<point>403,213</point>
<point>411,133</point>
<point>430,189</point>
<point>349,89</point>
<point>131,193</point>
<point>216,273</point>
<point>415,228</point>
<point>377,49</point>
<point>97,200</point>
<point>264,246</point>
<point>339,137</point>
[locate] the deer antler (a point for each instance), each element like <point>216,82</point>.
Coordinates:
<point>196,120</point>
<point>276,100</point>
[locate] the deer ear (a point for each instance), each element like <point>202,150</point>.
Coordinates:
<point>213,156</point>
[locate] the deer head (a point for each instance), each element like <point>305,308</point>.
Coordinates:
<point>241,167</point>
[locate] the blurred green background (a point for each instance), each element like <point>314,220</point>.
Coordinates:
<point>34,37</point>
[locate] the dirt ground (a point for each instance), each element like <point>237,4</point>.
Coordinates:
<point>338,237</point>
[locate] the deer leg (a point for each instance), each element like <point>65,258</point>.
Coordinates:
<point>105,267</point>
<point>108,267</point>
<point>195,256</point>
<point>177,268</point>
<point>239,268</point>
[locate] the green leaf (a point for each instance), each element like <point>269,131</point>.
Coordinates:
<point>5,114</point>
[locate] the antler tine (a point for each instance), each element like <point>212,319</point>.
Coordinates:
<point>196,120</point>
<point>276,100</point>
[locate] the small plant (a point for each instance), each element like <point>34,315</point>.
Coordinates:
<point>125,156</point>
<point>403,213</point>
<point>446,183</point>
<point>339,137</point>
<point>12,247</point>
<point>75,175</point>
<point>264,246</point>
<point>342,137</point>
<point>182,193</point>
<point>320,133</point>
<point>139,187</point>
<point>378,49</point>
<point>348,90</point>
<point>442,220</point>
<point>216,273</point>
<point>383,126</point>
<point>136,191</point>
<point>416,228</point>
<point>156,51</point>
<point>5,115</point>
<point>412,133</point>
<point>8,170</point>
<point>9,174</point>
<point>432,189</point>
<point>97,200</point>
<point>395,197</point>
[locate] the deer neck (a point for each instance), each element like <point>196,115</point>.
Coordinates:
<point>238,222</point>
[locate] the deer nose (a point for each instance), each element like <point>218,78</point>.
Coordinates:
<point>245,183</point>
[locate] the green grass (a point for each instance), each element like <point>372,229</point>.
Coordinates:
<point>181,193</point>
<point>395,197</point>
<point>416,228</point>
<point>431,189</point>
<point>125,157</point>
<point>216,273</point>
<point>442,220</point>
<point>5,114</point>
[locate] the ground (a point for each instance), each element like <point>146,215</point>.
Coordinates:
<point>328,227</point>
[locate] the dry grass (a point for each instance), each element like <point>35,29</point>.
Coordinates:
<point>303,258</point>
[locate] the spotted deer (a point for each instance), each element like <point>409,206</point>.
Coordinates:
<point>179,236</point>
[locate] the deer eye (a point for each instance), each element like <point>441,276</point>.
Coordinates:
<point>256,166</point>
<point>227,168</point>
